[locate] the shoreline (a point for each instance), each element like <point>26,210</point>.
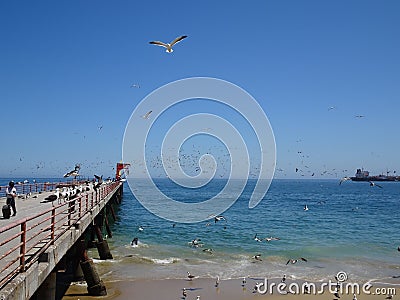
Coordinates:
<point>228,289</point>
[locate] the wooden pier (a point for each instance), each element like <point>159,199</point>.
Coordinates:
<point>37,243</point>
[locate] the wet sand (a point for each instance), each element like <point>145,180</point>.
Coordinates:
<point>205,288</point>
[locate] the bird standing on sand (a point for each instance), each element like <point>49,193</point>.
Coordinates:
<point>198,298</point>
<point>354,297</point>
<point>306,288</point>
<point>184,293</point>
<point>244,281</point>
<point>217,282</point>
<point>283,278</point>
<point>168,46</point>
<point>257,287</point>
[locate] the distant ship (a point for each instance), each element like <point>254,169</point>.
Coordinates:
<point>362,175</point>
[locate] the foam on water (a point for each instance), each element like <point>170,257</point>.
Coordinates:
<point>354,230</point>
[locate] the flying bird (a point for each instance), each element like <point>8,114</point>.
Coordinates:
<point>257,239</point>
<point>219,218</point>
<point>293,261</point>
<point>147,115</point>
<point>359,116</point>
<point>74,173</point>
<point>344,179</point>
<point>168,46</point>
<point>257,257</point>
<point>272,238</point>
<point>374,184</point>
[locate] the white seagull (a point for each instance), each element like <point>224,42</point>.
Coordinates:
<point>272,238</point>
<point>344,179</point>
<point>147,115</point>
<point>74,173</point>
<point>190,276</point>
<point>295,260</point>
<point>219,218</point>
<point>374,184</point>
<point>257,239</point>
<point>257,257</point>
<point>217,282</point>
<point>168,46</point>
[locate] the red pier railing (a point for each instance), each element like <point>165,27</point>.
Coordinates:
<point>22,242</point>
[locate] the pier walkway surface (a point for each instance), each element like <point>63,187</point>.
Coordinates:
<point>37,238</point>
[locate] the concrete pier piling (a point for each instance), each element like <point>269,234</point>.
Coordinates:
<point>95,285</point>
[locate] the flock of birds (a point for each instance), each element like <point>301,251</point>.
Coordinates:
<point>70,192</point>
<point>258,286</point>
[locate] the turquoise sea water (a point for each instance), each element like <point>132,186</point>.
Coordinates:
<point>350,227</point>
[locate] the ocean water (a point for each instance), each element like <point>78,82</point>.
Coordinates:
<point>353,228</point>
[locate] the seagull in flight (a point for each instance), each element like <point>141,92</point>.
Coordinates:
<point>147,115</point>
<point>359,116</point>
<point>293,261</point>
<point>374,184</point>
<point>257,257</point>
<point>219,218</point>
<point>135,85</point>
<point>74,173</point>
<point>344,179</point>
<point>257,239</point>
<point>168,46</point>
<point>268,239</point>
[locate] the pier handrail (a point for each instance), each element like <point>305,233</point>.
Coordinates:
<point>37,187</point>
<point>31,236</point>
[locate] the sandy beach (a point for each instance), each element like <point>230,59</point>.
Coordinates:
<point>172,289</point>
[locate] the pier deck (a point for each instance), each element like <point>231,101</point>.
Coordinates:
<point>34,241</point>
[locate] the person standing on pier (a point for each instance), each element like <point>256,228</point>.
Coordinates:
<point>11,193</point>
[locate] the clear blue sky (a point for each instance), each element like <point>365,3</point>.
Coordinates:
<point>66,68</point>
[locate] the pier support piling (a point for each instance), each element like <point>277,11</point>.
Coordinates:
<point>102,245</point>
<point>95,285</point>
